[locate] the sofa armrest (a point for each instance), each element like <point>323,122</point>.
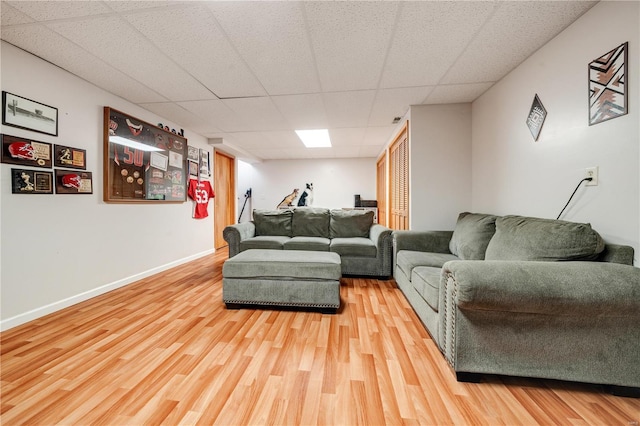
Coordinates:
<point>382,238</point>
<point>428,241</point>
<point>233,234</point>
<point>550,288</point>
<point>617,253</point>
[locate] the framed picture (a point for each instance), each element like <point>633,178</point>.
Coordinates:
<point>143,163</point>
<point>205,168</point>
<point>25,181</point>
<point>27,114</point>
<point>608,85</point>
<point>25,152</point>
<point>66,156</point>
<point>74,182</point>
<point>193,153</point>
<point>536,117</point>
<point>193,168</point>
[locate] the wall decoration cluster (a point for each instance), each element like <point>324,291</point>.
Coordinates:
<point>607,85</point>
<point>607,91</point>
<point>32,153</point>
<point>27,114</point>
<point>142,162</point>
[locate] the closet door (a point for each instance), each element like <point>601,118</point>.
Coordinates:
<point>399,181</point>
<point>224,210</point>
<point>381,189</point>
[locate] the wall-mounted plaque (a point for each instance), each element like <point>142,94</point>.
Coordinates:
<point>25,152</point>
<point>24,181</point>
<point>74,182</point>
<point>66,156</point>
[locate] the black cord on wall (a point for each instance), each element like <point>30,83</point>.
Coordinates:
<point>574,193</point>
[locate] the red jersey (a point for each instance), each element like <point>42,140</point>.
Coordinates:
<point>200,192</point>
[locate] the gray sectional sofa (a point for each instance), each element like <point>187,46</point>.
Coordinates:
<point>526,296</point>
<point>365,248</point>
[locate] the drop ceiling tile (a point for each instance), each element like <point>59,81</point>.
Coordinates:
<point>284,139</point>
<point>347,137</point>
<point>216,113</point>
<point>391,103</point>
<point>345,151</point>
<point>129,5</point>
<point>378,136</point>
<point>251,140</point>
<point>53,10</point>
<point>54,48</point>
<point>180,116</point>
<point>302,111</point>
<point>260,114</point>
<point>513,33</point>
<point>273,154</point>
<point>272,39</point>
<point>429,37</point>
<point>349,109</point>
<point>457,93</point>
<point>12,16</point>
<point>114,41</point>
<point>211,60</point>
<point>350,42</point>
<point>370,151</point>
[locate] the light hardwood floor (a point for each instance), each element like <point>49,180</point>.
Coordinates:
<point>165,350</point>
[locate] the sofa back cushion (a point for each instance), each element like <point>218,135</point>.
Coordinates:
<point>273,222</point>
<point>350,223</point>
<point>528,238</point>
<point>310,222</point>
<point>471,235</point>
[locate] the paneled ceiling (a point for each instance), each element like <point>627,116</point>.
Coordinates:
<point>249,73</point>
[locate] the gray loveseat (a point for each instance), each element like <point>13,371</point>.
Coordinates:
<point>525,296</point>
<point>365,248</point>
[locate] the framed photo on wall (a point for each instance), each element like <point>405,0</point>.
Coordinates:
<point>27,114</point>
<point>143,163</point>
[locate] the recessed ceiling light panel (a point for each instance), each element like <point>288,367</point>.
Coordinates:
<point>318,138</point>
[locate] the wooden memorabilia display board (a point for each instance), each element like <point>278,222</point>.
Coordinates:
<point>143,163</point>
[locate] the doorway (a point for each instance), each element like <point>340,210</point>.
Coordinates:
<point>224,183</point>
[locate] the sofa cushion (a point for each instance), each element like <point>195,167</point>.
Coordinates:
<point>528,238</point>
<point>426,281</point>
<point>471,235</point>
<point>310,222</point>
<point>407,260</point>
<point>273,222</point>
<point>307,243</point>
<point>355,246</point>
<point>350,223</point>
<point>263,242</point>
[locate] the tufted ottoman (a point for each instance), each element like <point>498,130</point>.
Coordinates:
<point>309,279</point>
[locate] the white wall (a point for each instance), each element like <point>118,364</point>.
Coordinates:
<point>440,165</point>
<point>60,249</point>
<point>512,174</point>
<point>335,181</point>
<point>244,181</point>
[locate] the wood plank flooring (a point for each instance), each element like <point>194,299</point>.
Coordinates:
<point>164,350</point>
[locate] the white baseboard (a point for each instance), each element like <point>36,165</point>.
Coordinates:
<point>65,303</point>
